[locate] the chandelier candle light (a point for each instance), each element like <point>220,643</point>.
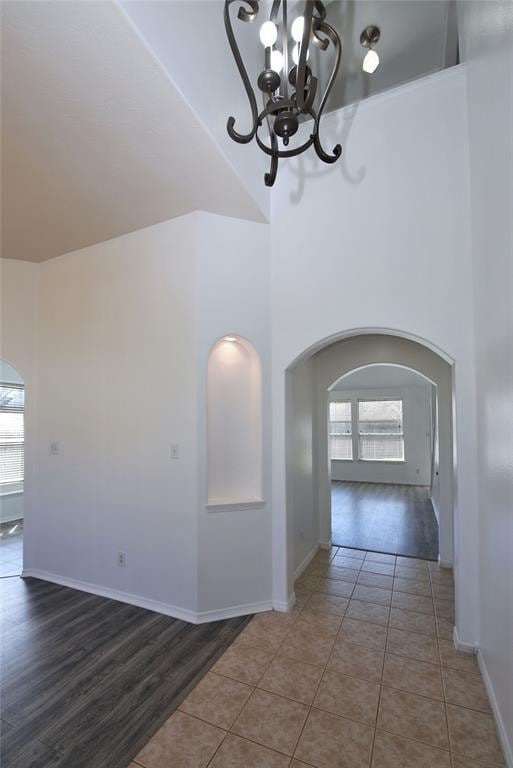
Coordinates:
<point>288,85</point>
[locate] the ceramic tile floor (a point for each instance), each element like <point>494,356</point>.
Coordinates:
<point>11,548</point>
<point>362,673</point>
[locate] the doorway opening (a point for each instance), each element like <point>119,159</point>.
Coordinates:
<point>383,461</point>
<point>309,383</point>
<point>12,450</point>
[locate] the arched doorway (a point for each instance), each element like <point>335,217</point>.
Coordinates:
<point>12,454</point>
<point>308,378</point>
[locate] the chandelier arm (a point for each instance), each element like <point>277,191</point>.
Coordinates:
<point>270,178</point>
<point>318,18</point>
<point>331,36</point>
<point>301,67</point>
<point>243,15</point>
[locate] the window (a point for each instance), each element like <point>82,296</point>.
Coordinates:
<point>380,430</point>
<point>12,401</point>
<point>341,433</point>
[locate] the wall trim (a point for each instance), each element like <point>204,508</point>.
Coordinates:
<point>176,612</point>
<point>445,563</point>
<point>306,561</point>
<point>236,610</point>
<point>326,544</point>
<point>506,745</point>
<point>284,607</point>
<point>461,645</point>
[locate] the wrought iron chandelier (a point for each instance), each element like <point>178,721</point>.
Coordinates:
<point>288,92</point>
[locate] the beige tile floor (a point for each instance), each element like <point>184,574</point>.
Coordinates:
<point>362,673</point>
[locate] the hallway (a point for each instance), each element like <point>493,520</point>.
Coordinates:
<point>396,519</point>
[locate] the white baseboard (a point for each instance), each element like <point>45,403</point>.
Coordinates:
<point>460,645</point>
<point>306,561</point>
<point>504,739</point>
<point>444,563</point>
<point>325,544</point>
<point>282,607</point>
<point>175,611</point>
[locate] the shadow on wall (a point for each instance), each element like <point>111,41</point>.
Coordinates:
<point>335,127</point>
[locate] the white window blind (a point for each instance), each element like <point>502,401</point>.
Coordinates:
<point>341,438</point>
<point>12,401</point>
<point>380,430</point>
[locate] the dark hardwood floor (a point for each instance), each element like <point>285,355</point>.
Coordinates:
<point>382,517</point>
<point>86,681</point>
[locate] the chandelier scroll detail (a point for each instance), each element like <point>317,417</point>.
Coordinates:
<point>288,85</point>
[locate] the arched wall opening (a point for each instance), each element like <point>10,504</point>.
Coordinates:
<point>12,469</point>
<point>308,379</point>
<point>234,423</point>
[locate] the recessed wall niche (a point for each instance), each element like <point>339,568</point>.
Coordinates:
<point>234,423</point>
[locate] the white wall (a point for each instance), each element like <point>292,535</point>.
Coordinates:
<point>486,44</point>
<point>302,461</point>
<point>233,298</point>
<point>115,387</point>
<point>415,392</point>
<point>381,240</point>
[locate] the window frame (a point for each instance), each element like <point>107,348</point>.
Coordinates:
<point>13,487</point>
<point>398,434</point>
<point>349,434</point>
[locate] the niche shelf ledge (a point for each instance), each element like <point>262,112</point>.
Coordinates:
<point>222,505</point>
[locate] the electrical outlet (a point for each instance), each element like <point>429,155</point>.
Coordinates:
<point>54,448</point>
<point>174,451</point>
<point>122,559</point>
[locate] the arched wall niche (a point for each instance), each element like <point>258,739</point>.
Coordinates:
<point>234,424</point>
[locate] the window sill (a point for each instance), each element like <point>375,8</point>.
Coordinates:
<point>382,461</point>
<point>3,494</point>
<point>226,505</point>
<point>341,459</point>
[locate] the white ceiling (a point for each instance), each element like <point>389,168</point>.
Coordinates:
<point>97,141</point>
<point>114,115</point>
<point>380,376</point>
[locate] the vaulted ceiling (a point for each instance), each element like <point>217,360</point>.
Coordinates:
<point>114,114</point>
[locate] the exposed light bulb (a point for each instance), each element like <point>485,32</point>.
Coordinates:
<point>370,62</point>
<point>229,338</point>
<point>268,34</point>
<point>297,28</point>
<point>277,61</point>
<point>295,54</point>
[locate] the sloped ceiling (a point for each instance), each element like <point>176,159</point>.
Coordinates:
<point>97,141</point>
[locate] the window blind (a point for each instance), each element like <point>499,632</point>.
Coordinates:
<point>341,439</point>
<point>11,438</point>
<point>380,430</point>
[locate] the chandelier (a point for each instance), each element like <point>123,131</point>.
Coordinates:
<point>287,83</point>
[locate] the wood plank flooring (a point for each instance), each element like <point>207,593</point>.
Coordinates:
<point>397,519</point>
<point>86,681</point>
